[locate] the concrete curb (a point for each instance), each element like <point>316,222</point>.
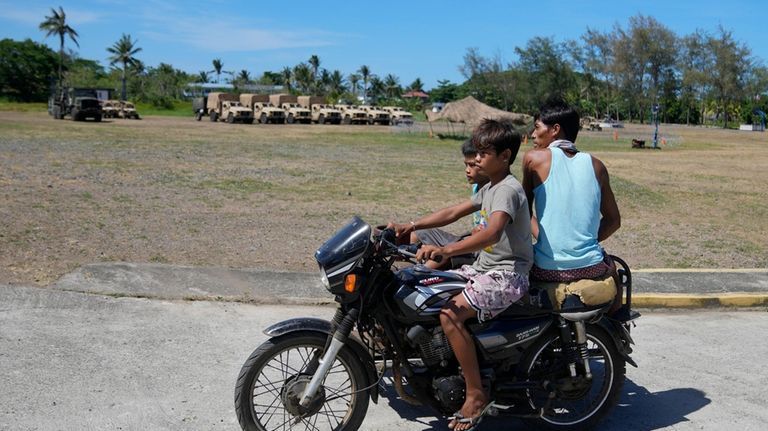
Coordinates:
<point>676,300</point>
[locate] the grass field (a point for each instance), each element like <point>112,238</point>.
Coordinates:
<point>173,190</point>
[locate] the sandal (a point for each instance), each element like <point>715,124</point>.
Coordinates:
<point>459,418</point>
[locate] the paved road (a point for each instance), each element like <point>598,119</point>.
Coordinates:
<point>76,361</point>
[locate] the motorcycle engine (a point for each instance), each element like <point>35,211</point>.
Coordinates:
<point>450,392</point>
<point>432,345</point>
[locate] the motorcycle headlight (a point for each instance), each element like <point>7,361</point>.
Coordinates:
<point>324,278</point>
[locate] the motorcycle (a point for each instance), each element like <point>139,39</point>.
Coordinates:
<point>561,368</point>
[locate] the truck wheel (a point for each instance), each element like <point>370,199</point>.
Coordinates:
<point>97,118</point>
<point>263,119</point>
<point>198,116</point>
<point>346,120</point>
<point>214,117</point>
<point>56,113</point>
<point>321,119</point>
<point>230,118</point>
<point>248,121</point>
<point>75,115</point>
<point>290,119</point>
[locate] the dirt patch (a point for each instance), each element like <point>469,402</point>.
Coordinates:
<point>173,190</point>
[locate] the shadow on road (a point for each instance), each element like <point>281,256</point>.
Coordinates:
<point>638,410</point>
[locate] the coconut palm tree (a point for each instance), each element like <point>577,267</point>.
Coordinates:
<point>123,51</point>
<point>203,77</point>
<point>303,76</point>
<point>416,85</point>
<point>56,23</point>
<point>365,73</point>
<point>287,75</point>
<point>354,79</point>
<point>392,86</point>
<point>336,82</point>
<point>217,66</point>
<point>314,61</point>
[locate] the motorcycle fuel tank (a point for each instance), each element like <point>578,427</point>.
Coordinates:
<point>423,292</point>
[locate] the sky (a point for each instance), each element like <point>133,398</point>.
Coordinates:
<point>410,39</point>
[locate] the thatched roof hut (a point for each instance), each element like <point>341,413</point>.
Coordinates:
<point>471,112</point>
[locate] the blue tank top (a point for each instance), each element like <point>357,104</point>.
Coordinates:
<point>568,213</point>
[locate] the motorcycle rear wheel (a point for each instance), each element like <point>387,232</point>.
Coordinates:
<point>269,379</point>
<point>579,404</point>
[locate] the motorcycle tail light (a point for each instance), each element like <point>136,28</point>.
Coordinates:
<point>350,283</point>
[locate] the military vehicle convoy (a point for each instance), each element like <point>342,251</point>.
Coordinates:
<point>376,115</point>
<point>320,111</point>
<point>294,113</point>
<point>226,107</point>
<point>398,115</point>
<point>288,108</point>
<point>78,103</point>
<point>262,109</point>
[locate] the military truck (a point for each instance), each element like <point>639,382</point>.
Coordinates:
<point>590,122</point>
<point>262,109</point>
<point>398,115</point>
<point>109,108</point>
<point>78,103</point>
<point>226,107</point>
<point>351,114</point>
<point>376,115</point>
<point>128,110</point>
<point>294,113</point>
<point>321,113</point>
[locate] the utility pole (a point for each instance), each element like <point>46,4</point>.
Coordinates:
<point>656,122</point>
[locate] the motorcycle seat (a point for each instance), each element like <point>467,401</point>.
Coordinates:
<point>580,295</point>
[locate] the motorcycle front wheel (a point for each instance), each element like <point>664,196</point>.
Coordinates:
<point>581,402</point>
<point>275,375</point>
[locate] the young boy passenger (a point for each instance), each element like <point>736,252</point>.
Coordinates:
<point>441,237</point>
<point>499,276</point>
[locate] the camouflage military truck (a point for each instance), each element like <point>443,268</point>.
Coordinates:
<point>351,114</point>
<point>294,113</point>
<point>262,109</point>
<point>226,107</point>
<point>78,103</point>
<point>321,113</point>
<point>398,115</point>
<point>109,108</point>
<point>376,115</point>
<point>590,123</point>
<point>128,110</point>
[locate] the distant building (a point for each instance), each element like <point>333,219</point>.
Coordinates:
<point>197,89</point>
<point>416,94</point>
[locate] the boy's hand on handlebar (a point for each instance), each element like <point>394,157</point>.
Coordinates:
<point>431,252</point>
<point>400,228</point>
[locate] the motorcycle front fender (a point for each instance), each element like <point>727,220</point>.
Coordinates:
<point>312,324</point>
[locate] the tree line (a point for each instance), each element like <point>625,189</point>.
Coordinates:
<point>622,73</point>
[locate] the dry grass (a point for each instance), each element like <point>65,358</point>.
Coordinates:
<point>178,191</point>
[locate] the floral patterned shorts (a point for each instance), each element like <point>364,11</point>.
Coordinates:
<point>492,292</point>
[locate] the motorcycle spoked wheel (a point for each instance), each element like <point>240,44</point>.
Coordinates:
<point>579,403</point>
<point>266,394</point>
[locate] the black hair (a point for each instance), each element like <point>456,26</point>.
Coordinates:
<point>468,148</point>
<point>557,111</point>
<point>497,134</point>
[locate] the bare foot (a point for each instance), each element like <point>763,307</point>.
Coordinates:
<point>473,406</point>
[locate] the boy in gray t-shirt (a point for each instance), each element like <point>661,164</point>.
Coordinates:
<point>499,276</point>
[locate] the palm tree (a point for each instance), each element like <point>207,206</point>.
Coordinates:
<point>217,66</point>
<point>365,72</point>
<point>303,76</point>
<point>377,88</point>
<point>354,79</point>
<point>123,51</point>
<point>244,77</point>
<point>336,82</point>
<point>416,85</point>
<point>56,23</point>
<point>203,77</point>
<point>392,86</point>
<point>314,61</point>
<point>287,75</point>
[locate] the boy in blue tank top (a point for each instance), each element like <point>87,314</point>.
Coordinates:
<point>575,208</point>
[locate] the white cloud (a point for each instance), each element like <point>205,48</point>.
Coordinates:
<point>34,16</point>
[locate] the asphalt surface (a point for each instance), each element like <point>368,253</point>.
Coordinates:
<point>82,361</point>
<point>651,288</point>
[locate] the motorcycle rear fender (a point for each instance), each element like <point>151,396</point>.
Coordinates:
<point>319,325</point>
<point>620,338</point>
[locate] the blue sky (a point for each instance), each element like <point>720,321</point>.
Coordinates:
<point>424,39</point>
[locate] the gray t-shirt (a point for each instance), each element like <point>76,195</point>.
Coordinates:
<point>514,251</point>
